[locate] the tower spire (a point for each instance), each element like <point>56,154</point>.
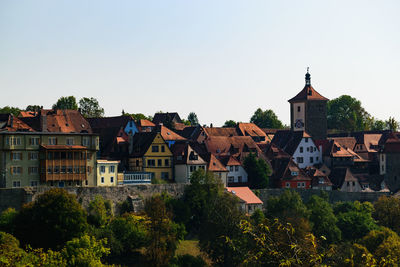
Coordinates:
<point>308,77</point>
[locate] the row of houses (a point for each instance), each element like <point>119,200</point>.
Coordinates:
<point>62,148</point>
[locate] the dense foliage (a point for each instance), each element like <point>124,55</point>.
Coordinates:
<point>266,119</point>
<point>290,232</point>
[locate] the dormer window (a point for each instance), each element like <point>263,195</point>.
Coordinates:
<point>294,173</point>
<point>309,92</point>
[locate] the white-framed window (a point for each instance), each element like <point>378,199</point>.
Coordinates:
<point>16,170</point>
<point>16,183</point>
<point>299,159</point>
<point>301,149</point>
<point>112,179</point>
<point>102,169</point>
<point>102,180</point>
<point>287,185</point>
<point>301,185</point>
<point>70,141</point>
<point>236,168</point>
<point>111,169</point>
<point>230,179</point>
<point>52,141</point>
<point>16,141</point>
<point>34,183</point>
<point>311,160</point>
<point>34,141</point>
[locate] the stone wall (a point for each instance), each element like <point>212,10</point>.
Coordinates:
<point>136,194</point>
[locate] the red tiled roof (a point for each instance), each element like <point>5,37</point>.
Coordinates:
<point>308,93</point>
<point>245,194</point>
<point>170,135</point>
<point>27,114</point>
<point>145,123</point>
<point>220,131</point>
<point>250,129</point>
<point>214,165</point>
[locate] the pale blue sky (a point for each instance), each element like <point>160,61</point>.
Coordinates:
<point>220,59</point>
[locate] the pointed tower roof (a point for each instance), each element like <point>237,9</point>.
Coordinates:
<point>308,92</point>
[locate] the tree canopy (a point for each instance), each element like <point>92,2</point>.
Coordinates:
<point>266,119</point>
<point>10,110</point>
<point>229,124</point>
<point>66,102</point>
<point>258,171</point>
<point>192,118</point>
<point>90,108</point>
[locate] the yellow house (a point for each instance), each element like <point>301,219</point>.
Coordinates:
<point>149,153</point>
<point>107,172</point>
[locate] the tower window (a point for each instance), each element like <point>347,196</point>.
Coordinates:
<point>309,92</point>
<point>298,109</point>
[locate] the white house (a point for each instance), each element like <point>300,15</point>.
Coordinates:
<point>236,172</point>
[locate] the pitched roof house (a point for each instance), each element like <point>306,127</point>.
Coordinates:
<point>249,202</point>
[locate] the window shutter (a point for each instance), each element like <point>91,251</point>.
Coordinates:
<point>22,154</point>
<point>11,170</point>
<point>56,140</point>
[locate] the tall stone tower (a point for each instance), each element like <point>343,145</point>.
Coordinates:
<point>308,111</point>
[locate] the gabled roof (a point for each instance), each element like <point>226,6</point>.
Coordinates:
<point>145,123</point>
<point>250,129</point>
<point>13,124</point>
<point>340,175</point>
<point>220,131</point>
<point>141,143</point>
<point>229,161</point>
<point>59,121</point>
<point>109,122</point>
<point>182,152</point>
<point>308,93</point>
<point>189,132</point>
<point>245,194</point>
<point>289,140</point>
<point>166,117</point>
<point>169,135</point>
<point>285,170</point>
<point>346,142</point>
<point>316,175</point>
<point>223,145</point>
<point>214,165</point>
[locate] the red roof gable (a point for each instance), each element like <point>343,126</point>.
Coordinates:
<point>245,194</point>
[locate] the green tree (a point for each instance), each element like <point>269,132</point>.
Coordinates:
<point>266,119</point>
<point>229,124</point>
<point>258,171</point>
<point>52,219</point>
<point>392,124</point>
<point>387,212</point>
<point>164,234</point>
<point>10,110</point>
<point>7,220</point>
<point>203,187</point>
<point>354,219</point>
<point>66,102</point>
<point>33,108</point>
<point>222,221</point>
<point>345,113</point>
<point>10,252</point>
<point>90,108</point>
<point>85,251</point>
<point>323,219</point>
<point>99,211</point>
<point>192,118</point>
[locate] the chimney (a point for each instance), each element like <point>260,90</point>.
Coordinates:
<point>211,125</point>
<point>43,122</point>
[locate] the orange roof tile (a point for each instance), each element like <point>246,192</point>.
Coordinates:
<point>144,122</point>
<point>215,165</point>
<point>170,135</point>
<point>245,194</point>
<point>27,114</point>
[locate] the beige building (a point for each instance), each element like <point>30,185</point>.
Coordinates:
<point>107,172</point>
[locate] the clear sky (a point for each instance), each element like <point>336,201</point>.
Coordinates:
<point>220,59</point>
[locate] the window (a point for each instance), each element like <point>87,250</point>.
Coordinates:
<point>294,173</point>
<point>151,162</point>
<point>306,140</point>
<point>166,162</point>
<point>162,148</point>
<point>56,169</point>
<point>230,179</point>
<point>33,170</point>
<point>89,156</point>
<point>33,155</point>
<point>192,168</point>
<point>34,141</point>
<point>287,185</point>
<point>354,183</point>
<point>102,180</point>
<point>348,183</point>
<point>231,168</point>
<point>137,162</point>
<point>16,155</point>
<point>308,149</point>
<point>34,183</point>
<point>159,162</point>
<point>301,185</point>
<point>112,179</point>
<point>16,141</point>
<point>53,141</point>
<point>111,169</point>
<point>102,169</point>
<point>86,182</point>
<point>301,149</point>
<point>316,158</point>
<point>236,168</point>
<point>50,170</point>
<point>165,175</point>
<point>70,141</point>
<point>311,160</point>
<point>86,141</point>
<point>299,159</point>
<point>239,179</point>
<point>16,184</point>
<point>298,108</point>
<point>16,170</point>
<point>69,169</point>
<point>154,148</point>
<point>63,169</point>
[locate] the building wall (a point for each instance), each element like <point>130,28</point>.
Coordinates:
<point>392,174</point>
<point>9,178</point>
<point>109,176</point>
<point>316,154</point>
<point>351,186</point>
<point>296,184</point>
<point>233,174</point>
<point>316,119</point>
<point>163,154</point>
<point>297,112</point>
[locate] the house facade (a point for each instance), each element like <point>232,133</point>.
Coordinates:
<point>107,172</point>
<point>186,161</point>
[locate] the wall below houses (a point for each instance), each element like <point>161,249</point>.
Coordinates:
<point>16,197</point>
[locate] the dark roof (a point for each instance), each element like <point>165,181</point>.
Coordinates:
<point>166,117</point>
<point>285,168</point>
<point>190,132</point>
<point>181,149</point>
<point>13,124</point>
<point>108,122</point>
<point>392,144</point>
<point>141,143</point>
<point>289,140</point>
<point>340,175</point>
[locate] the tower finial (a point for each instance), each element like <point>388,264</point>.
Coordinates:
<point>308,77</point>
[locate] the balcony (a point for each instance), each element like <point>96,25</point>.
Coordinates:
<point>137,177</point>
